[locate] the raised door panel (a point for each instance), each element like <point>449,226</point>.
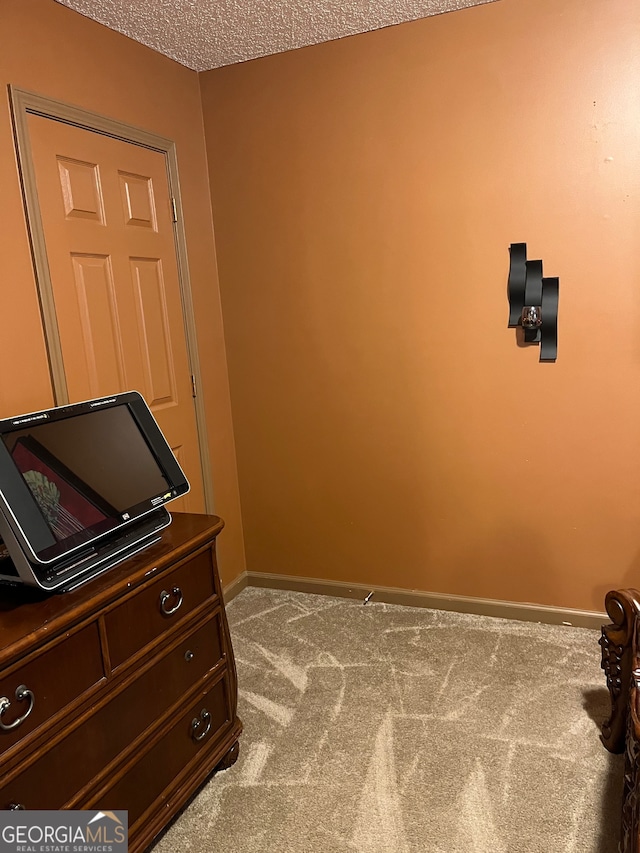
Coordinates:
<point>81,194</point>
<point>154,332</point>
<point>138,201</point>
<point>101,342</point>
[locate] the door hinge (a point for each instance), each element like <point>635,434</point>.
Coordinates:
<point>194,392</point>
<point>174,209</point>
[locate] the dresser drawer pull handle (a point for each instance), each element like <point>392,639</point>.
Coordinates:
<point>16,807</point>
<point>205,717</point>
<point>22,693</point>
<point>165,596</point>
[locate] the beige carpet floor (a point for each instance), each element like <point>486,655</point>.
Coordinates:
<point>384,729</point>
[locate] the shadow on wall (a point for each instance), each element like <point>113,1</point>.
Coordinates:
<point>597,704</point>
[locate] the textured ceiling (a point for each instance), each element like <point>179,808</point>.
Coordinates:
<point>204,34</point>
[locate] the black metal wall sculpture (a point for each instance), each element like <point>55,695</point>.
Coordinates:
<point>533,302</point>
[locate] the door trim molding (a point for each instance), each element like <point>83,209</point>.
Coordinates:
<point>25,103</point>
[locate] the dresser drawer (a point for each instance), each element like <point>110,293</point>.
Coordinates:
<point>197,729</point>
<point>53,779</point>
<point>49,682</point>
<point>145,617</point>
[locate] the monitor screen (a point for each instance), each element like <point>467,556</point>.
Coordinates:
<point>74,474</point>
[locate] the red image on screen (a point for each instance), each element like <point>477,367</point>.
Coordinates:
<point>67,504</point>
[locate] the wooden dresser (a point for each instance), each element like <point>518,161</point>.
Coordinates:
<point>121,694</point>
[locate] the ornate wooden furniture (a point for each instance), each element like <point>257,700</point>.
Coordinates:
<point>621,732</point>
<point>121,694</point>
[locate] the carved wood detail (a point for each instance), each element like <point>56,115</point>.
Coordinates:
<point>631,792</point>
<point>617,651</point>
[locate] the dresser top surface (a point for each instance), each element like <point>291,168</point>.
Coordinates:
<point>28,616</point>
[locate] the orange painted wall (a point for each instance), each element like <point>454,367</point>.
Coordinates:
<point>48,49</point>
<point>389,429</point>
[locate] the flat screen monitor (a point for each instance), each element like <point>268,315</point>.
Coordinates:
<point>75,479</point>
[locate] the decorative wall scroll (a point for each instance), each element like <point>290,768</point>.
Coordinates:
<point>533,302</point>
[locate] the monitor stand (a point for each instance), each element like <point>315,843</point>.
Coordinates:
<point>16,569</point>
